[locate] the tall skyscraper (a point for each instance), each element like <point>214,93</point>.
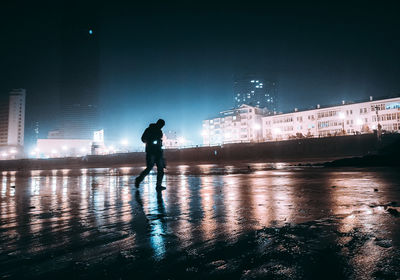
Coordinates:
<point>255,91</point>
<point>12,122</point>
<point>79,76</point>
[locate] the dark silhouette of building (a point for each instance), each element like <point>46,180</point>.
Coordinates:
<point>79,74</point>
<point>254,90</point>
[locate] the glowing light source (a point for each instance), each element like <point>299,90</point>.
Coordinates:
<point>124,142</point>
<point>277,130</point>
<point>181,140</point>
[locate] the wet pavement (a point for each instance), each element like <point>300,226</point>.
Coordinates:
<point>239,222</point>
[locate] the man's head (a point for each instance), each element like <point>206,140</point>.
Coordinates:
<point>160,123</point>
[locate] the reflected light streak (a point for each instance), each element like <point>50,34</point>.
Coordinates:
<point>209,223</point>
<point>183,202</point>
<point>3,186</point>
<point>231,195</point>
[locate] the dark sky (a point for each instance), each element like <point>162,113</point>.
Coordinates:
<point>177,60</point>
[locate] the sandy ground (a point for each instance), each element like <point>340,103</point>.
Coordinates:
<point>255,221</point>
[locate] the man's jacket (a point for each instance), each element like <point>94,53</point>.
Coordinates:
<point>152,136</point>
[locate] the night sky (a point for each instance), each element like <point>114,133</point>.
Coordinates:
<point>177,61</point>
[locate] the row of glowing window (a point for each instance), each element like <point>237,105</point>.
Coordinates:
<point>387,117</point>
<point>228,131</point>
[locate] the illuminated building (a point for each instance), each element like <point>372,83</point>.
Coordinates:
<point>241,124</point>
<point>12,123</point>
<point>51,148</point>
<point>344,119</point>
<point>255,91</point>
<point>251,124</point>
<point>61,147</point>
<point>170,140</point>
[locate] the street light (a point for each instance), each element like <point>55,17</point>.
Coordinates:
<point>124,142</point>
<point>277,132</point>
<point>257,128</point>
<point>54,152</point>
<point>360,123</point>
<point>181,141</point>
<point>342,117</point>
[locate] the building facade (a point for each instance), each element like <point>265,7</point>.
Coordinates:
<point>250,124</point>
<point>170,140</point>
<point>52,148</point>
<point>345,119</point>
<point>255,91</point>
<point>12,124</point>
<point>241,124</point>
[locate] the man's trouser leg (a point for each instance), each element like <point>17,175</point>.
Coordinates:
<point>160,170</point>
<point>149,167</point>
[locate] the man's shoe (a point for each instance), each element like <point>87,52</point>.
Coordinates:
<point>160,188</point>
<point>137,182</point>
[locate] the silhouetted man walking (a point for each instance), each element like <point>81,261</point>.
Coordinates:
<point>152,136</point>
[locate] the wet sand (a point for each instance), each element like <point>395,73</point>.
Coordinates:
<point>239,222</point>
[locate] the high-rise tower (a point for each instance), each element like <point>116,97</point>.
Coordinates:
<point>255,91</point>
<point>12,123</point>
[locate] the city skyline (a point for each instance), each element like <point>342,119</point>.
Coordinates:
<point>178,62</point>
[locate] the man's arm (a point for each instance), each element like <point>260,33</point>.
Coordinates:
<point>145,136</point>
